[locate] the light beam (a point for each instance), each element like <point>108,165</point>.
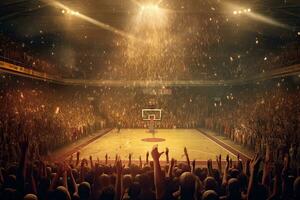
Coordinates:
<point>93,21</point>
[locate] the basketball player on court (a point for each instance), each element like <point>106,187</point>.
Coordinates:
<point>118,127</point>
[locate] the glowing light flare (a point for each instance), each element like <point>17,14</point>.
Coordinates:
<point>267,20</point>
<point>91,20</point>
<point>70,12</point>
<point>152,14</point>
<point>238,10</point>
<point>241,11</point>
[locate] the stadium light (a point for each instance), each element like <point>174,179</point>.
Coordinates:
<point>90,20</point>
<point>70,12</point>
<point>241,11</point>
<point>151,9</point>
<point>151,13</point>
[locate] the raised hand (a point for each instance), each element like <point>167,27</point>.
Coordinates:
<point>118,186</point>
<point>155,154</point>
<point>187,158</point>
<point>254,164</point>
<point>147,157</point>
<point>116,158</point>
<point>91,162</point>
<point>119,166</point>
<point>193,165</point>
<point>106,158</point>
<point>219,162</point>
<point>141,163</point>
<point>185,151</point>
<point>209,167</point>
<point>129,158</point>
<point>227,163</point>
<point>167,154</point>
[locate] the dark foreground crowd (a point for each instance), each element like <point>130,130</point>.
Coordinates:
<point>262,177</point>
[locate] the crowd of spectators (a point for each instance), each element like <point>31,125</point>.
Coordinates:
<point>158,61</point>
<point>37,117</point>
<point>49,115</point>
<point>19,54</point>
<point>258,117</point>
<point>262,177</point>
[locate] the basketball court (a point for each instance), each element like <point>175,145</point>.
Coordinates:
<point>139,141</point>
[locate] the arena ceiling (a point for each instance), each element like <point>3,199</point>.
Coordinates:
<point>205,30</point>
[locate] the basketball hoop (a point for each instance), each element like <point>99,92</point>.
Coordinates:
<point>149,114</point>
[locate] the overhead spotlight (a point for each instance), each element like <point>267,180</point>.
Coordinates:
<point>249,10</point>
<point>245,10</point>
<point>150,8</point>
<point>152,14</point>
<point>240,12</point>
<point>298,33</point>
<point>235,12</point>
<point>63,11</point>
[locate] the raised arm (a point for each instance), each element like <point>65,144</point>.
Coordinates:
<point>267,168</point>
<point>284,174</point>
<point>158,178</point>
<point>171,168</point>
<point>141,163</point>
<point>73,182</point>
<point>193,165</point>
<point>277,183</point>
<point>119,181</point>
<point>77,158</point>
<point>209,167</point>
<point>21,174</point>
<point>224,181</point>
<point>167,155</point>
<point>219,163</point>
<point>32,180</point>
<point>91,162</point>
<point>187,158</point>
<point>55,178</point>
<point>147,158</point>
<point>129,159</point>
<point>253,180</point>
<point>106,159</point>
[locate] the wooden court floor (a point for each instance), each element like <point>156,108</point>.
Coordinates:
<point>139,141</point>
